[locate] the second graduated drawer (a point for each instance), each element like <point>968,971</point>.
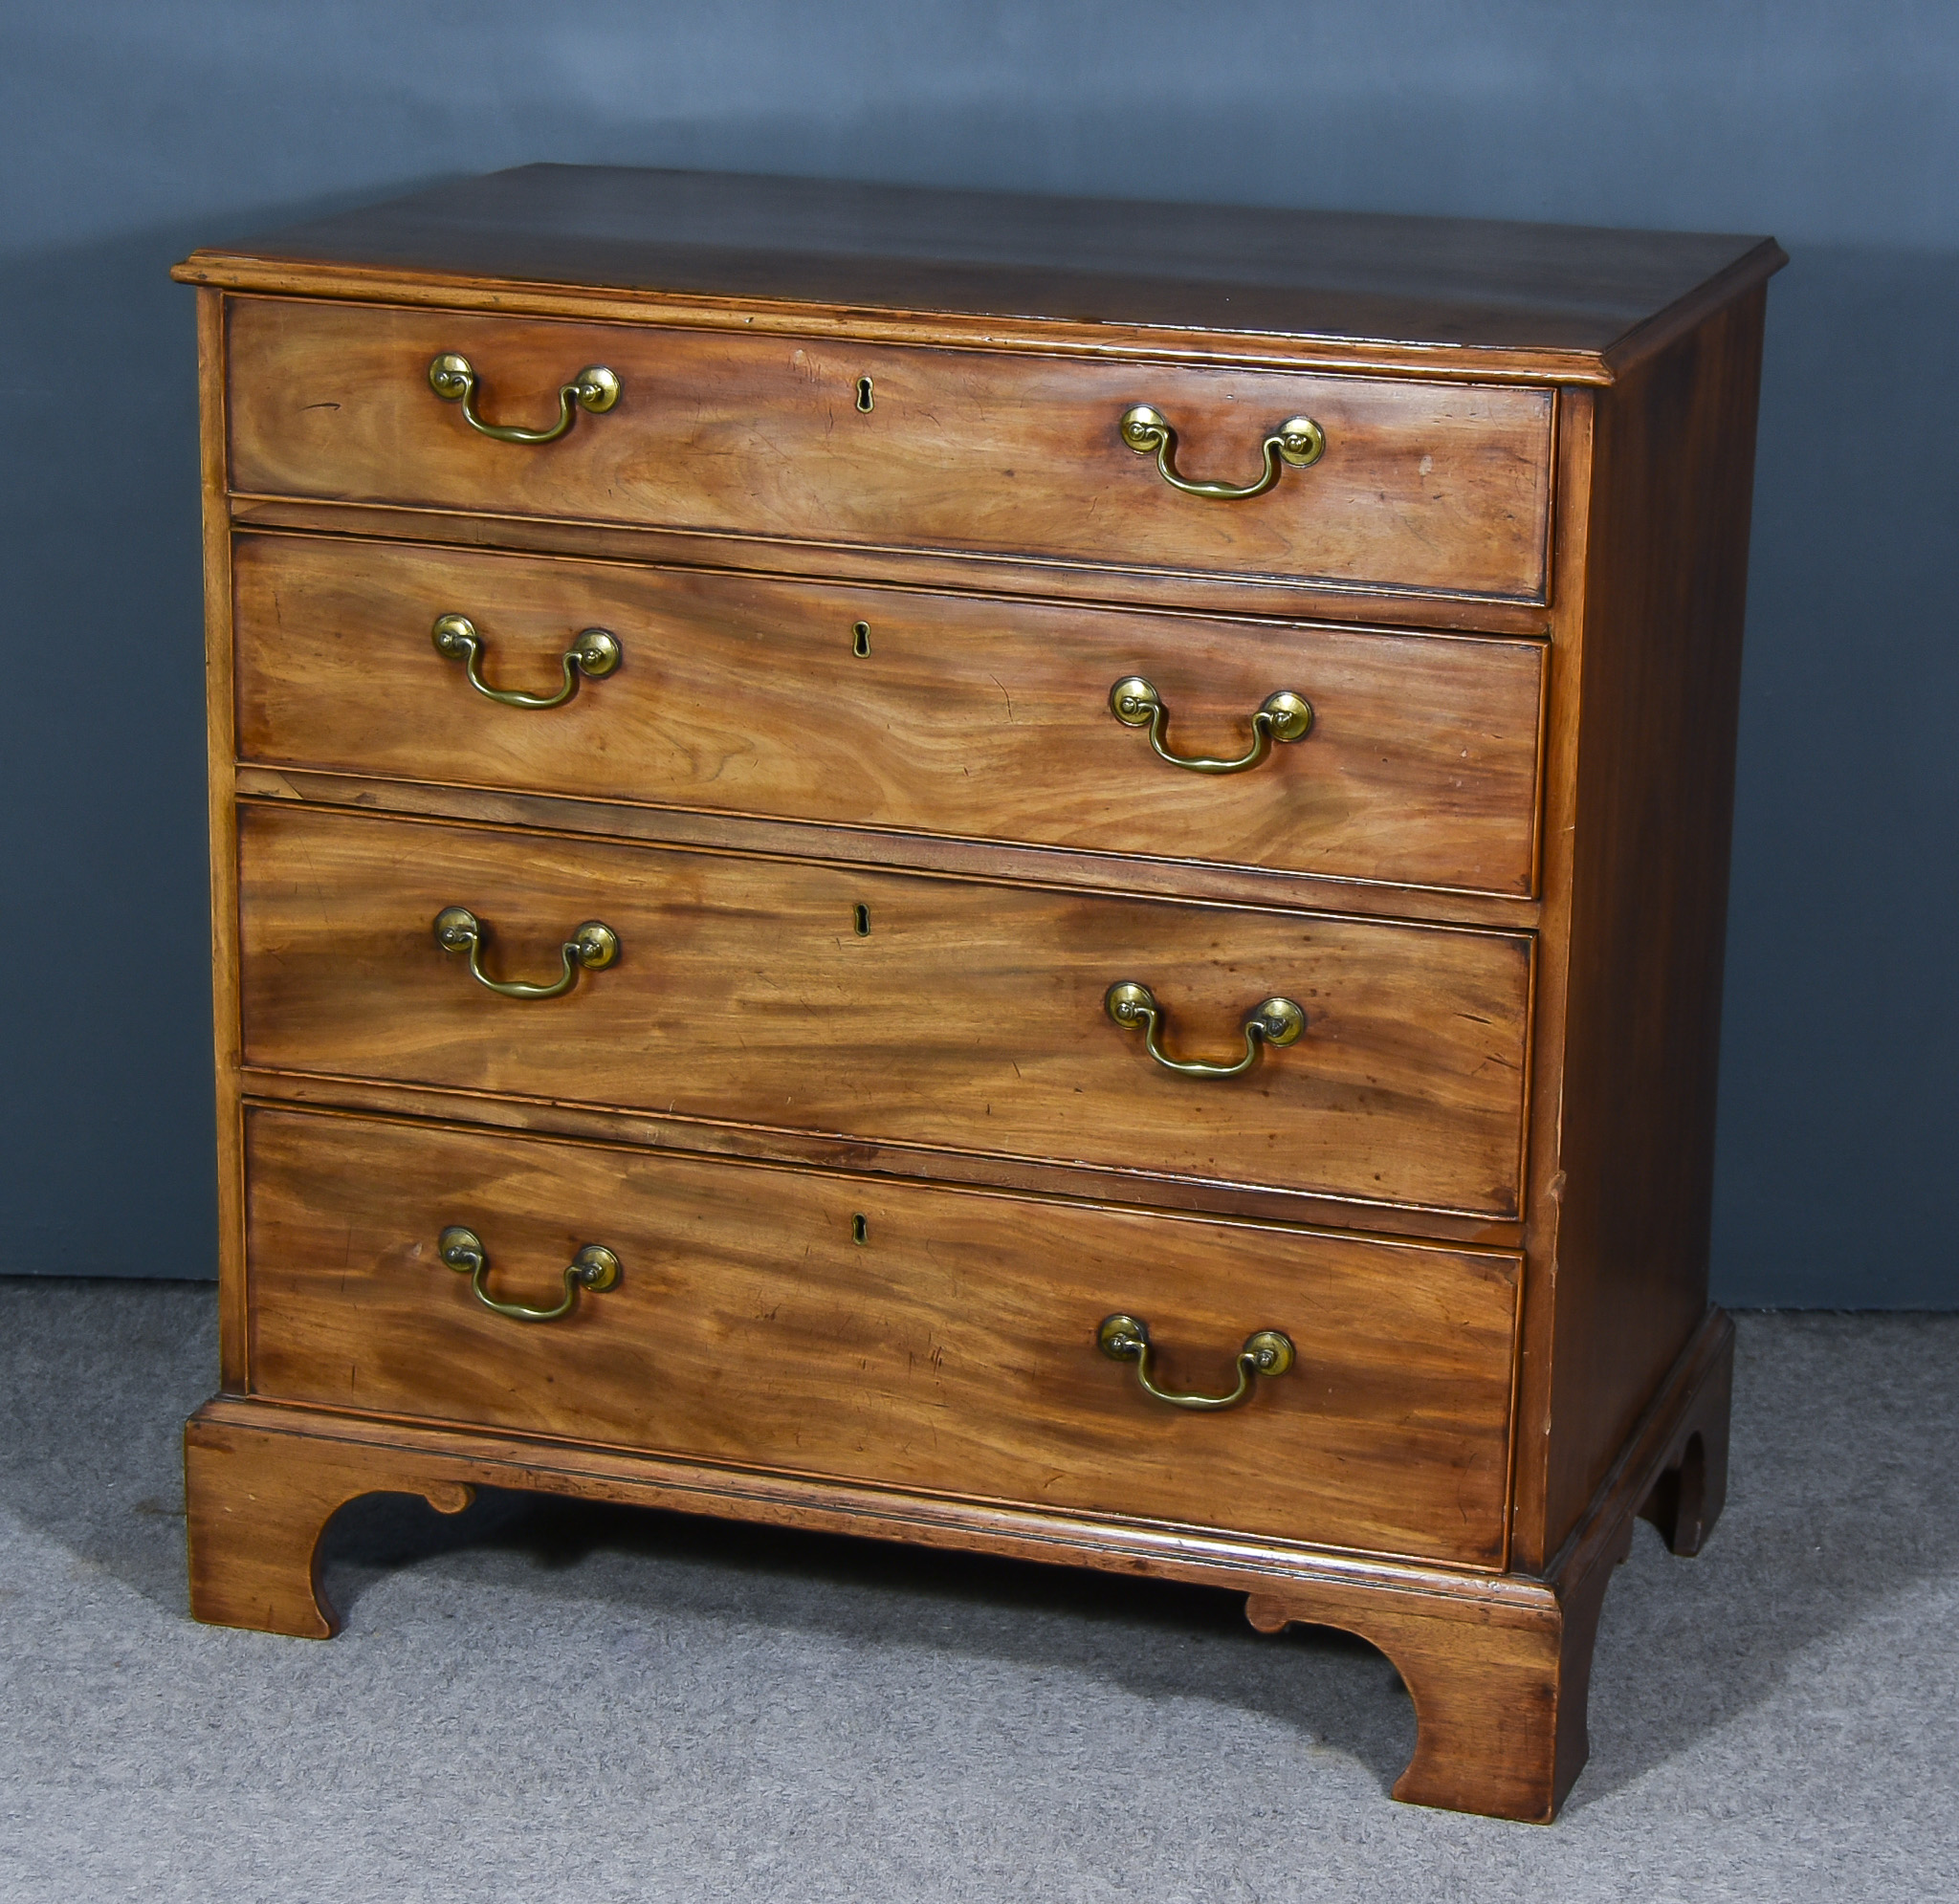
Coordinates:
<point>964,1016</point>
<point>966,717</point>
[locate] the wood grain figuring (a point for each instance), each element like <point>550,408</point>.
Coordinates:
<point>1423,486</point>
<point>1483,297</point>
<point>861,845</point>
<point>966,715</point>
<point>1045,578</point>
<point>968,1016</point>
<point>276,1467</point>
<point>885,1158</point>
<point>952,1351</point>
<point>849,1105</point>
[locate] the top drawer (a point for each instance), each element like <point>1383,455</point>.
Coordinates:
<point>1425,487</point>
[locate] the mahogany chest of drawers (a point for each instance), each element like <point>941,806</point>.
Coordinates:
<point>1039,876</point>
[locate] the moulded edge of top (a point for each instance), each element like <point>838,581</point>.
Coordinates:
<point>250,272</point>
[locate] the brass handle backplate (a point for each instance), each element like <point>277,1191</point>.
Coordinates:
<point>593,654</point>
<point>1126,1339</point>
<point>1283,717</point>
<point>595,390</point>
<point>1275,1022</point>
<point>1298,442</point>
<point>595,1268</point>
<point>591,948</point>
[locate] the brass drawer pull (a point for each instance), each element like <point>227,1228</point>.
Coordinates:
<point>591,948</point>
<point>1276,1021</point>
<point>595,1268</point>
<point>594,389</point>
<point>1283,717</point>
<point>1126,1339</point>
<point>594,653</point>
<point>1298,441</point>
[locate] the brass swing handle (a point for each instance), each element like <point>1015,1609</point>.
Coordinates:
<point>595,390</point>
<point>593,654</point>
<point>1126,1339</point>
<point>1283,716</point>
<point>595,1268</point>
<point>1298,442</point>
<point>591,948</point>
<point>1275,1022</point>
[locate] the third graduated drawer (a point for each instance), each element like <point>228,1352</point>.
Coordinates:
<point>1407,759</point>
<point>948,1341</point>
<point>1369,1060</point>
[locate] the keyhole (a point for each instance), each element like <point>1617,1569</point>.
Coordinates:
<point>860,639</point>
<point>860,1230</point>
<point>863,395</point>
<point>863,917</point>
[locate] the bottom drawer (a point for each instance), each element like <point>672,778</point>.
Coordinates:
<point>920,1337</point>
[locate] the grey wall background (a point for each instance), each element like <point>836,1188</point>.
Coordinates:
<point>131,132</point>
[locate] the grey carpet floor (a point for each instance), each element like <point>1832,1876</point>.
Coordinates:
<point>540,1700</point>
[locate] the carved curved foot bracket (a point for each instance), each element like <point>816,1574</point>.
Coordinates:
<point>1685,1501</point>
<point>1498,1665</point>
<point>1499,1687</point>
<point>256,1505</point>
<point>1500,1670</point>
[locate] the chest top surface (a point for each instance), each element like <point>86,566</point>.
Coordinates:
<point>1585,302</point>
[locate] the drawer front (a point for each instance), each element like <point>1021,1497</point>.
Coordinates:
<point>937,713</point>
<point>953,1349</point>
<point>1426,487</point>
<point>963,1014</point>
